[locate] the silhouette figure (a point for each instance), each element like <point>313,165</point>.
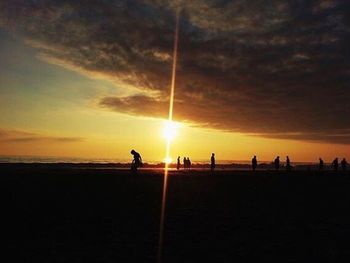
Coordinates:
<point>178,163</point>
<point>344,164</point>
<point>254,163</point>
<point>188,163</point>
<point>136,162</point>
<point>335,164</point>
<point>185,163</point>
<point>321,164</point>
<point>288,167</point>
<point>212,162</point>
<point>277,163</point>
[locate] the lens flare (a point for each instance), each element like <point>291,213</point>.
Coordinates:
<point>169,133</point>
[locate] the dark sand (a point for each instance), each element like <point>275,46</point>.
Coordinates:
<point>60,214</point>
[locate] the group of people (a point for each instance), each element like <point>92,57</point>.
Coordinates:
<point>137,162</point>
<point>186,162</point>
<point>277,164</point>
<point>335,164</point>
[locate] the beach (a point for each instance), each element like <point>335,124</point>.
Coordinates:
<point>65,213</point>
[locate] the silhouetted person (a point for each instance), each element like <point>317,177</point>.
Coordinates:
<point>212,162</point>
<point>343,164</point>
<point>178,163</point>
<point>254,163</point>
<point>321,164</point>
<point>335,164</point>
<point>185,163</point>
<point>288,167</point>
<point>136,162</point>
<point>277,163</point>
<point>188,163</point>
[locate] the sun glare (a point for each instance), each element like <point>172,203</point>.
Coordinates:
<point>167,160</point>
<point>170,130</point>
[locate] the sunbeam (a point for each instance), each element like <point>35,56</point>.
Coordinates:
<point>169,133</point>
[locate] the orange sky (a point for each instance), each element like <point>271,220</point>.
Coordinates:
<point>52,110</point>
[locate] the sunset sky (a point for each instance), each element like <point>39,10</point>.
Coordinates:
<point>92,79</point>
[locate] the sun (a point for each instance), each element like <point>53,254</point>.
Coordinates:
<point>170,130</point>
<point>167,160</point>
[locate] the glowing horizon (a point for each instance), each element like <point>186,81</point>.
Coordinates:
<point>93,95</point>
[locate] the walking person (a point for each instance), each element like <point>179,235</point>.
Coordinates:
<point>288,167</point>
<point>335,164</point>
<point>178,163</point>
<point>277,163</point>
<point>344,164</point>
<point>320,165</point>
<point>212,163</point>
<point>254,163</point>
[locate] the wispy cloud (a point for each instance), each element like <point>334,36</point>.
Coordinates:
<point>248,66</point>
<point>18,136</point>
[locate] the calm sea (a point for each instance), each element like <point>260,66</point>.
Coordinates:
<point>53,159</point>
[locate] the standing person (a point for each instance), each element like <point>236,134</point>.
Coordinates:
<point>136,162</point>
<point>335,164</point>
<point>212,163</point>
<point>254,163</point>
<point>185,163</point>
<point>321,164</point>
<point>288,167</point>
<point>178,163</point>
<point>277,163</point>
<point>188,163</point>
<point>344,164</point>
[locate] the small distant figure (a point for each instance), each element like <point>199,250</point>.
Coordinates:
<point>178,163</point>
<point>321,165</point>
<point>212,162</point>
<point>188,163</point>
<point>288,167</point>
<point>136,162</point>
<point>335,164</point>
<point>344,164</point>
<point>254,163</point>
<point>277,163</point>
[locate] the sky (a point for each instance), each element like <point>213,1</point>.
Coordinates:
<point>92,79</point>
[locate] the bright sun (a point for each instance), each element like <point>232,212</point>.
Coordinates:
<point>170,130</point>
<point>167,160</point>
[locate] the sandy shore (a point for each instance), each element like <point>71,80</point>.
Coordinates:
<point>67,214</point>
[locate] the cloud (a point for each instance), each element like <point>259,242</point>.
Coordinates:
<point>279,69</point>
<point>18,136</point>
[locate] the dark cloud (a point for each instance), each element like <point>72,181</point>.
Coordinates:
<point>17,136</point>
<point>278,69</point>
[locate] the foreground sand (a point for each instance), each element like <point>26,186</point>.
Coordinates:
<point>61,214</point>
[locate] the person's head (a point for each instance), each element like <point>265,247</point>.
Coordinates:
<point>278,157</point>
<point>132,152</point>
<point>213,154</point>
<point>254,156</point>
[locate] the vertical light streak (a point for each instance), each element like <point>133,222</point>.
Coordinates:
<point>167,150</point>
